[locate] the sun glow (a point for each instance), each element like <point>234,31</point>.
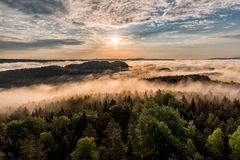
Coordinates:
<point>114,41</point>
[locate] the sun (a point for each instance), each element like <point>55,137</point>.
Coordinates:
<point>114,41</point>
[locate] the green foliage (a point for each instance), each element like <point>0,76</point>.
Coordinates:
<point>2,155</point>
<point>198,156</point>
<point>152,138</point>
<point>3,129</point>
<point>32,125</point>
<point>234,143</point>
<point>125,127</point>
<point>171,117</point>
<point>215,144</point>
<point>46,138</point>
<point>60,125</point>
<point>22,128</point>
<point>116,148</point>
<point>121,114</point>
<point>32,149</point>
<point>190,148</point>
<point>165,99</point>
<point>15,129</point>
<point>79,123</point>
<point>85,150</point>
<point>191,130</point>
<point>210,120</point>
<point>89,132</point>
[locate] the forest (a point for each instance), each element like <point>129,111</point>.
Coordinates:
<point>129,125</point>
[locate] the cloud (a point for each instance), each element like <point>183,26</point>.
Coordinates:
<point>5,37</point>
<point>111,12</point>
<point>121,12</point>
<point>235,36</point>
<point>38,6</point>
<point>46,43</point>
<point>87,20</point>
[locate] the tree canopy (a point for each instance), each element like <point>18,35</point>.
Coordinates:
<point>125,126</point>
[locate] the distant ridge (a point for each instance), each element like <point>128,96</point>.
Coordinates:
<point>230,58</point>
<point>189,77</point>
<point>23,77</point>
<point>180,78</point>
<point>149,59</point>
<point>37,60</point>
<point>61,60</point>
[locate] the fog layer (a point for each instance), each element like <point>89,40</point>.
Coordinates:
<point>132,81</point>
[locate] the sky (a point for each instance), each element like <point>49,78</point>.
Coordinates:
<point>79,29</point>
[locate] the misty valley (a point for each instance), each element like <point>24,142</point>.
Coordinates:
<point>116,110</point>
<point>119,80</point>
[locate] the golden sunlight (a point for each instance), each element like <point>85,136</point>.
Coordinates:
<point>114,41</point>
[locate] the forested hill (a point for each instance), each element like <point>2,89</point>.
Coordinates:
<point>187,78</point>
<point>180,78</point>
<point>23,77</point>
<point>231,58</point>
<point>124,127</point>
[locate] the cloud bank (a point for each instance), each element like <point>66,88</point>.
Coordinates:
<point>46,43</point>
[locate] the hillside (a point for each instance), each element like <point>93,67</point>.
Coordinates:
<point>24,77</point>
<point>180,78</point>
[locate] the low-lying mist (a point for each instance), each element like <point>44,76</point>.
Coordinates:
<point>25,65</point>
<point>132,81</point>
<point>223,70</point>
